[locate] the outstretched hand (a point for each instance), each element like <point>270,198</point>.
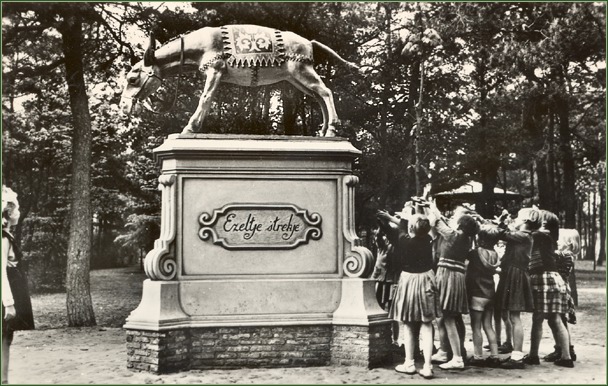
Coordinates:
<point>383,215</point>
<point>504,215</point>
<point>408,205</point>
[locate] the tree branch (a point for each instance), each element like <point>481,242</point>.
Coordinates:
<point>31,72</point>
<point>116,37</point>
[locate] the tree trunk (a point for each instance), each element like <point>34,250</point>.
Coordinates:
<point>557,197</point>
<point>532,192</point>
<point>587,227</point>
<point>505,201</point>
<point>569,179</point>
<point>418,131</point>
<point>602,256</point>
<point>79,304</point>
<point>545,193</point>
<point>266,105</point>
<point>551,204</point>
<point>289,110</point>
<point>592,228</point>
<point>384,113</point>
<point>253,99</point>
<point>489,176</point>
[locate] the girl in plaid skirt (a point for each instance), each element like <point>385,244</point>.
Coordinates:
<point>550,292</point>
<point>568,248</point>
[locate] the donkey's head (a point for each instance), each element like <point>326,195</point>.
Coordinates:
<point>142,81</point>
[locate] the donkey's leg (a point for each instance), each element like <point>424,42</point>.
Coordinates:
<point>212,81</point>
<point>306,75</point>
<point>319,100</point>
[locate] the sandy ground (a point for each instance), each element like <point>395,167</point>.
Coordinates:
<point>98,355</point>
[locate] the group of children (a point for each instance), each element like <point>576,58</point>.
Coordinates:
<point>431,268</point>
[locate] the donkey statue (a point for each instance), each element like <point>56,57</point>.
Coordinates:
<point>245,55</point>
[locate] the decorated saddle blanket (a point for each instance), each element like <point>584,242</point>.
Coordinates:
<point>252,46</point>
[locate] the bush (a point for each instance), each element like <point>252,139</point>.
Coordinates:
<point>44,248</point>
<point>139,235</point>
<point>104,252</point>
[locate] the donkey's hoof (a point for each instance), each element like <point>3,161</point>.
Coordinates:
<point>331,132</point>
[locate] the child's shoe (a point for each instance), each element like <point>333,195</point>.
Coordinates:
<point>493,362</point>
<point>426,372</point>
<point>477,362</point>
<point>556,354</point>
<point>409,368</point>
<point>572,353</point>
<point>564,362</point>
<point>513,364</point>
<point>454,364</point>
<point>505,348</point>
<point>529,360</point>
<point>439,357</point>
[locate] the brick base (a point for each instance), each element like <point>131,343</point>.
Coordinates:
<point>361,346</point>
<point>235,347</point>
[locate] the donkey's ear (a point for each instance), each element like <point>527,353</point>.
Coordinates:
<point>134,60</point>
<point>149,58</point>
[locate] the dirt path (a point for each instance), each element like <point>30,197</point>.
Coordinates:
<point>52,355</point>
<point>94,355</point>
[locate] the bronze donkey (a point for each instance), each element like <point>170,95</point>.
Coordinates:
<point>245,55</point>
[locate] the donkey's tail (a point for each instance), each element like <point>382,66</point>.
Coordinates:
<point>333,54</point>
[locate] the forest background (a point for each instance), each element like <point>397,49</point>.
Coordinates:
<point>508,94</point>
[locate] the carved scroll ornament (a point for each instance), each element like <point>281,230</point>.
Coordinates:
<point>358,260</point>
<point>160,263</point>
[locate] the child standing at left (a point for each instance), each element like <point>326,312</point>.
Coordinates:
<point>415,303</point>
<point>16,304</point>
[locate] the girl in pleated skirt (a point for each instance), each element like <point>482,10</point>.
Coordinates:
<point>415,303</point>
<point>452,286</point>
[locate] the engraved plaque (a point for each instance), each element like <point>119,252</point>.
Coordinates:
<point>260,226</point>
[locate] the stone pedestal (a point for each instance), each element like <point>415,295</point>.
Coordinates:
<point>257,263</point>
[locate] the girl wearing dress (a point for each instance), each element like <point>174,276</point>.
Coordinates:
<point>452,252</point>
<point>386,273</point>
<point>415,303</point>
<point>514,292</point>
<point>16,305</point>
<point>483,264</point>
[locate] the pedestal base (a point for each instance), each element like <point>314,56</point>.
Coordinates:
<point>237,347</point>
<point>257,263</point>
